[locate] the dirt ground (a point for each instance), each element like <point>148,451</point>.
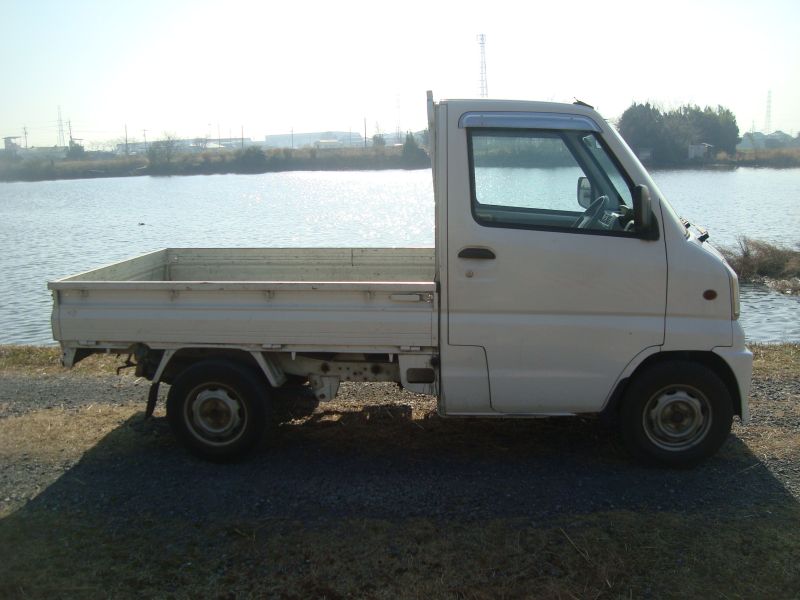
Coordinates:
<point>374,496</point>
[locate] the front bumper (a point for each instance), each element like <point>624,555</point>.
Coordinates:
<point>740,361</point>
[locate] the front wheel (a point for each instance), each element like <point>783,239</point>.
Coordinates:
<point>217,409</point>
<point>676,414</point>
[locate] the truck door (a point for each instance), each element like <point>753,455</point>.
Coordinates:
<point>546,271</point>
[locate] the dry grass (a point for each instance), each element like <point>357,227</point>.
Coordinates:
<point>774,157</point>
<point>58,433</point>
<point>608,555</point>
<point>47,360</point>
<point>776,360</point>
<point>768,443</point>
<point>754,259</point>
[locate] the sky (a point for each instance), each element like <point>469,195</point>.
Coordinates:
<point>207,68</point>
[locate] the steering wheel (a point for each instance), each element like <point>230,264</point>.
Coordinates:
<point>591,215</point>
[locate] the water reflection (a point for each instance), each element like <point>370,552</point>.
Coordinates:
<point>759,203</point>
<point>769,316</point>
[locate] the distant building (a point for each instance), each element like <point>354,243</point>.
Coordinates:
<point>187,145</point>
<point>10,148</point>
<point>699,151</point>
<point>43,153</point>
<point>320,139</point>
<point>328,144</point>
<point>755,140</point>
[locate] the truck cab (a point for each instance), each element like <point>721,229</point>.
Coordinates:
<point>566,276</point>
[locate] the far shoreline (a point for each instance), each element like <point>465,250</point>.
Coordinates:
<point>250,161</point>
<point>286,160</point>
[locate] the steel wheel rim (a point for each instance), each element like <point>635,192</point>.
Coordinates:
<point>677,418</point>
<point>215,414</point>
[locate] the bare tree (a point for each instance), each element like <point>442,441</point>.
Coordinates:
<point>163,151</point>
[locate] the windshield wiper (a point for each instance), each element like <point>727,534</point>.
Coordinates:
<point>702,232</point>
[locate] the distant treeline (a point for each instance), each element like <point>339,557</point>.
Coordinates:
<point>663,138</point>
<point>163,159</point>
<point>520,152</point>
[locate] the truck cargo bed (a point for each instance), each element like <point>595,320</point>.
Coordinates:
<point>376,299</point>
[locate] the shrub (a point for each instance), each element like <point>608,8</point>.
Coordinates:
<point>752,259</point>
<point>252,160</point>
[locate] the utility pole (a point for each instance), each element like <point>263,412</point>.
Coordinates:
<point>69,123</point>
<point>484,86</point>
<point>25,133</point>
<point>126,139</point>
<point>397,131</point>
<point>144,133</point>
<point>60,129</point>
<point>768,117</point>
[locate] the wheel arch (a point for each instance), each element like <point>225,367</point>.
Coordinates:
<point>708,359</point>
<point>169,364</point>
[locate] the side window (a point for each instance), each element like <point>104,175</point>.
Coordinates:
<point>544,179</point>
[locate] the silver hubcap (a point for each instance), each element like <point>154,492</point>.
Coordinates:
<point>677,418</point>
<point>215,414</point>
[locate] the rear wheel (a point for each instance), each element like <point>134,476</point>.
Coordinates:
<point>676,414</point>
<point>218,409</point>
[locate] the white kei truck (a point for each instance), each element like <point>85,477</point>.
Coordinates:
<point>561,283</point>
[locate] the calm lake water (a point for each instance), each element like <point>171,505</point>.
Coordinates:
<point>53,229</point>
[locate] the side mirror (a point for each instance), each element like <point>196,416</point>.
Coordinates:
<point>584,192</point>
<point>643,213</point>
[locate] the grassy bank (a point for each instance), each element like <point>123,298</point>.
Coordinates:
<point>778,158</point>
<point>249,160</point>
<point>66,543</point>
<point>46,360</point>
<point>46,170</point>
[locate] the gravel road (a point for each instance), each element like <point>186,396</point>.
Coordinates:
<point>380,452</point>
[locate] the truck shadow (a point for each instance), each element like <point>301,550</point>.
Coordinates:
<point>350,491</point>
<point>390,461</point>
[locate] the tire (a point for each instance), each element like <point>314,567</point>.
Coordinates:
<point>218,409</point>
<point>676,414</point>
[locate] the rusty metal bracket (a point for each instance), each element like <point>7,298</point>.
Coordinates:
<point>128,365</point>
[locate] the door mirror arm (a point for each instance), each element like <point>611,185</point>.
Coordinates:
<point>643,218</point>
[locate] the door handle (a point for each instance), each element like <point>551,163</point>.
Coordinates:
<point>479,253</point>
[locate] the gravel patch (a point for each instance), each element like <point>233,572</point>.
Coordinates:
<point>380,452</point>
<point>21,394</point>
